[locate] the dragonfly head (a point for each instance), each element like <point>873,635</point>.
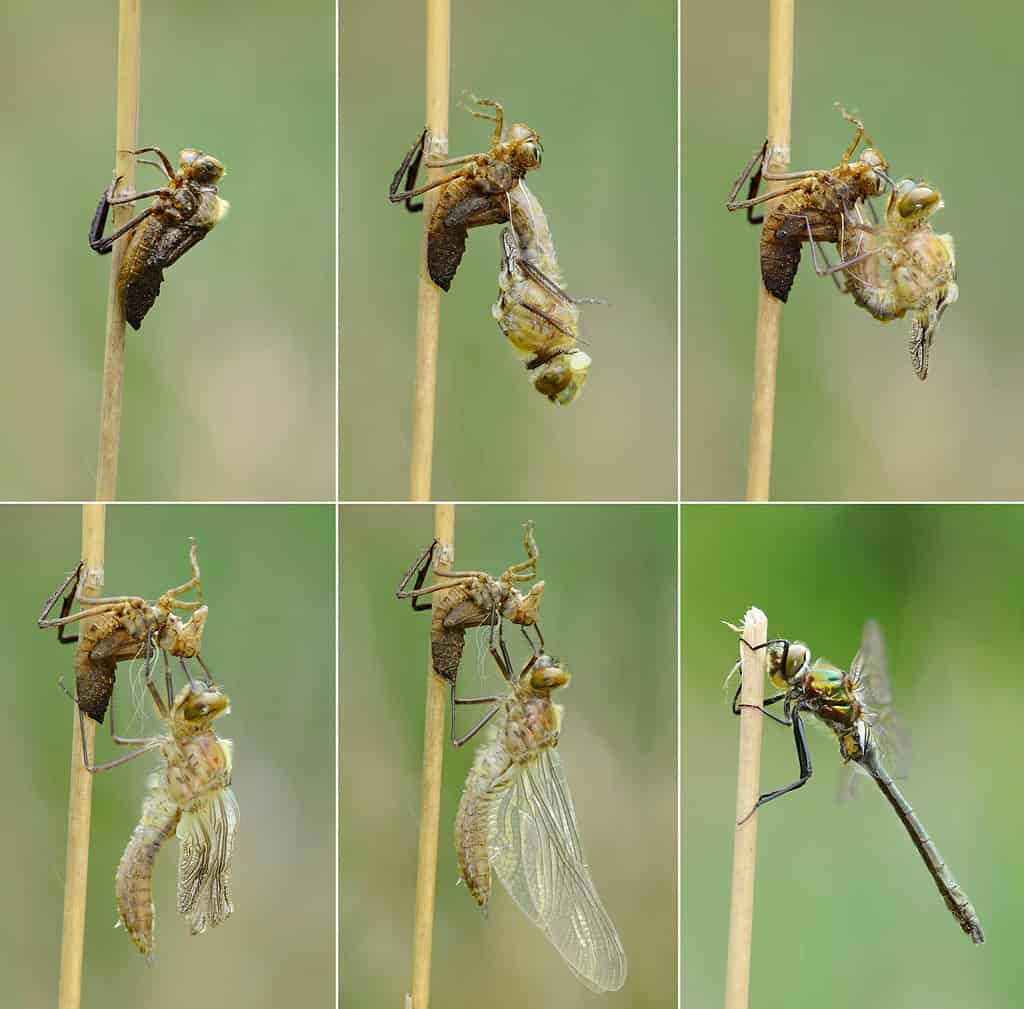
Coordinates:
<point>562,378</point>
<point>184,637</point>
<point>525,148</point>
<point>200,167</point>
<point>876,166</point>
<point>913,201</point>
<point>786,660</point>
<point>525,610</point>
<point>198,704</point>
<point>543,674</point>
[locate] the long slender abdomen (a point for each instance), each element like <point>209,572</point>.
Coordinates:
<point>482,784</point>
<point>956,900</point>
<point>133,883</point>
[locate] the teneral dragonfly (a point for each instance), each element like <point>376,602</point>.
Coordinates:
<point>534,311</point>
<point>842,702</point>
<point>188,795</point>
<point>517,817</point>
<point>902,268</point>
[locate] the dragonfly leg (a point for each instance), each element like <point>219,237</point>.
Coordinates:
<point>536,647</point>
<point>755,182</point>
<point>496,701</point>
<point>516,572</point>
<point>65,608</point>
<point>504,660</point>
<point>420,566</point>
<point>829,270</point>
<point>170,597</point>
<point>804,758</point>
<point>442,180</point>
<point>774,699</point>
<point>166,167</point>
<point>121,740</point>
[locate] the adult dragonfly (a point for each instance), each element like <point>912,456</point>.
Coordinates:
<point>854,706</point>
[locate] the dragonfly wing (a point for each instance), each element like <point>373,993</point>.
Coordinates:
<point>207,838</point>
<point>870,671</point>
<point>534,847</point>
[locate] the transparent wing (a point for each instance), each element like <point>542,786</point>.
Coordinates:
<point>207,838</point>
<point>534,847</point>
<point>870,674</point>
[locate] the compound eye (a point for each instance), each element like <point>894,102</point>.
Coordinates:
<point>796,659</point>
<point>918,200</point>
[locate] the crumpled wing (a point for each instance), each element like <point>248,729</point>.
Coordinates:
<point>207,838</point>
<point>534,847</point>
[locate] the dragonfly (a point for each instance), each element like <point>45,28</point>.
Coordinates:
<point>188,795</point>
<point>516,816</point>
<point>123,628</point>
<point>901,268</point>
<point>816,203</point>
<point>473,195</point>
<point>184,212</point>
<point>470,599</point>
<point>534,311</point>
<point>854,706</point>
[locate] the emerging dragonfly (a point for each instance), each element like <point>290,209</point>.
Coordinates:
<point>815,203</point>
<point>474,599</point>
<point>533,310</point>
<point>517,817</point>
<point>854,706</point>
<point>473,194</point>
<point>188,795</point>
<point>123,628</point>
<point>185,211</point>
<point>901,268</point>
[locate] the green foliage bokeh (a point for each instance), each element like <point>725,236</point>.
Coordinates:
<point>845,912</point>
<point>607,612</point>
<point>229,387</point>
<point>599,86</point>
<point>268,578</point>
<point>938,91</point>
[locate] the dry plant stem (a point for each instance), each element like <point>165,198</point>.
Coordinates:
<point>128,55</point>
<point>430,802</point>
<point>428,305</point>
<point>76,866</point>
<point>769,310</point>
<point>744,857</point>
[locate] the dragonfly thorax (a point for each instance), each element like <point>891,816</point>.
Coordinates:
<point>853,743</point>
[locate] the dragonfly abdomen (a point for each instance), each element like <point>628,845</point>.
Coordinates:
<point>486,780</point>
<point>133,884</point>
<point>955,899</point>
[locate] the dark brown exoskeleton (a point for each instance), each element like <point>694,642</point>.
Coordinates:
<point>184,213</point>
<point>475,599</point>
<point>124,628</point>
<point>818,206</point>
<point>473,195</point>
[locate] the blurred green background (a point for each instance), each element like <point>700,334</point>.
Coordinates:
<point>601,91</point>
<point>608,611</point>
<point>229,391</point>
<point>845,911</point>
<point>268,577</point>
<point>939,93</point>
